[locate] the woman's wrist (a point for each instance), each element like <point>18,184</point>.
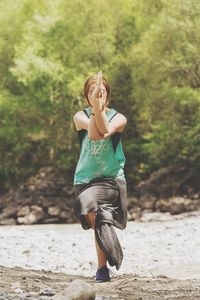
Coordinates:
<point>98,106</point>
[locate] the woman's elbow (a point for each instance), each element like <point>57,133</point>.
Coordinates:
<point>104,131</point>
<point>92,137</point>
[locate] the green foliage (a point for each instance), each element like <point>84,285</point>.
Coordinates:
<point>149,51</point>
<point>176,138</point>
<point>166,75</point>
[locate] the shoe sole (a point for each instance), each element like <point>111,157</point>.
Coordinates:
<point>99,281</point>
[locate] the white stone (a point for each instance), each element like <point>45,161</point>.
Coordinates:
<point>23,211</point>
<point>78,289</point>
<point>53,211</point>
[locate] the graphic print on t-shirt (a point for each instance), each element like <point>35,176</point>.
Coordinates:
<point>96,148</point>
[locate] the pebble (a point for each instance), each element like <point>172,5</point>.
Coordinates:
<point>47,292</point>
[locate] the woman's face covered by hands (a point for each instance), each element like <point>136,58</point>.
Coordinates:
<point>97,93</point>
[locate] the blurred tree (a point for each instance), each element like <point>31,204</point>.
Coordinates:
<point>148,50</point>
<point>166,62</point>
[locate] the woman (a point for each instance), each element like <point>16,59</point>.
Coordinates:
<point>99,182</point>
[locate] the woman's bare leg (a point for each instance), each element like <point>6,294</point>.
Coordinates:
<point>101,255</point>
<point>91,219</point>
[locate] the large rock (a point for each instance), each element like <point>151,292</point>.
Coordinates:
<point>170,189</point>
<point>23,211</point>
<point>7,212</point>
<point>46,197</point>
<point>35,216</point>
<point>170,181</point>
<point>77,290</point>
<point>177,205</point>
<point>8,221</point>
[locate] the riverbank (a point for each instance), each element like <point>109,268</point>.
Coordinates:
<point>47,198</point>
<point>161,257</point>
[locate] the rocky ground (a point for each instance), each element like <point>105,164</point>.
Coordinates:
<point>47,197</point>
<point>161,259</point>
<point>161,243</point>
<point>17,283</point>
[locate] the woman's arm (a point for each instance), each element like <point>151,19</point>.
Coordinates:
<point>104,127</point>
<point>98,126</point>
<point>100,118</point>
<point>93,132</point>
<point>98,101</point>
<point>83,122</point>
<point>117,124</point>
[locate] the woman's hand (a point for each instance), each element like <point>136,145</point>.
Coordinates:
<point>98,96</point>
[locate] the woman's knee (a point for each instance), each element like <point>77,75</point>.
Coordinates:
<point>91,219</point>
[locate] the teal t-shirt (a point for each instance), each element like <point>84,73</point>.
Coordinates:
<point>99,158</point>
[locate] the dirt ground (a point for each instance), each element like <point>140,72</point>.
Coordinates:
<point>17,283</point>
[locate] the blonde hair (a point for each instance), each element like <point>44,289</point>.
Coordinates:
<point>93,79</point>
